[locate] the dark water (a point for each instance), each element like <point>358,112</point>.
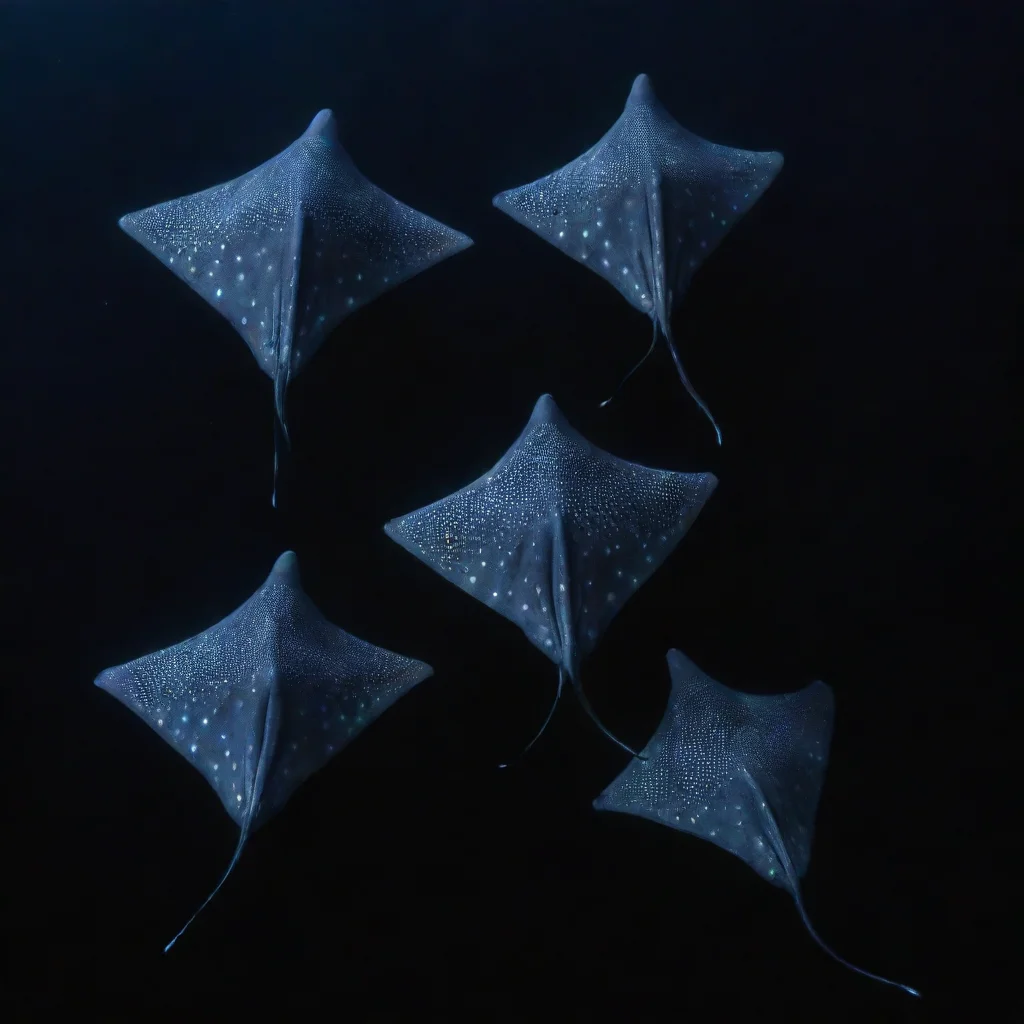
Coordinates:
<point>853,336</point>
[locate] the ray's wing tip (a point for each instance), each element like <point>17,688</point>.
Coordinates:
<point>394,530</point>
<point>608,802</point>
<point>504,201</point>
<point>420,671</point>
<point>822,692</point>
<point>546,410</point>
<point>681,667</point>
<point>774,162</point>
<point>601,802</point>
<point>406,674</point>
<point>441,241</point>
<point>409,672</point>
<point>510,204</point>
<point>129,224</point>
<point>107,679</point>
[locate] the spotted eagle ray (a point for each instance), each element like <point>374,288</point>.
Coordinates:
<point>263,699</point>
<point>644,207</point>
<point>556,537</point>
<point>288,250</point>
<point>743,771</point>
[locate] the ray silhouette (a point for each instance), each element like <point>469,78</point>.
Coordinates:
<point>288,250</point>
<point>644,207</point>
<point>262,700</point>
<point>556,537</point>
<point>740,770</point>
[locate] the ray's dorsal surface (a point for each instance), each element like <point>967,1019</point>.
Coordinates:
<point>740,770</point>
<point>556,537</point>
<point>645,206</point>
<point>288,250</point>
<point>263,699</point>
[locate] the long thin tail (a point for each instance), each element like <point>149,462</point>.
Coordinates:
<point>654,341</point>
<point>540,731</point>
<point>846,963</point>
<point>597,721</point>
<point>282,440</point>
<point>779,846</point>
<point>667,330</point>
<point>234,860</point>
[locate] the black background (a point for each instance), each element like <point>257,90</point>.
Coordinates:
<point>853,336</point>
